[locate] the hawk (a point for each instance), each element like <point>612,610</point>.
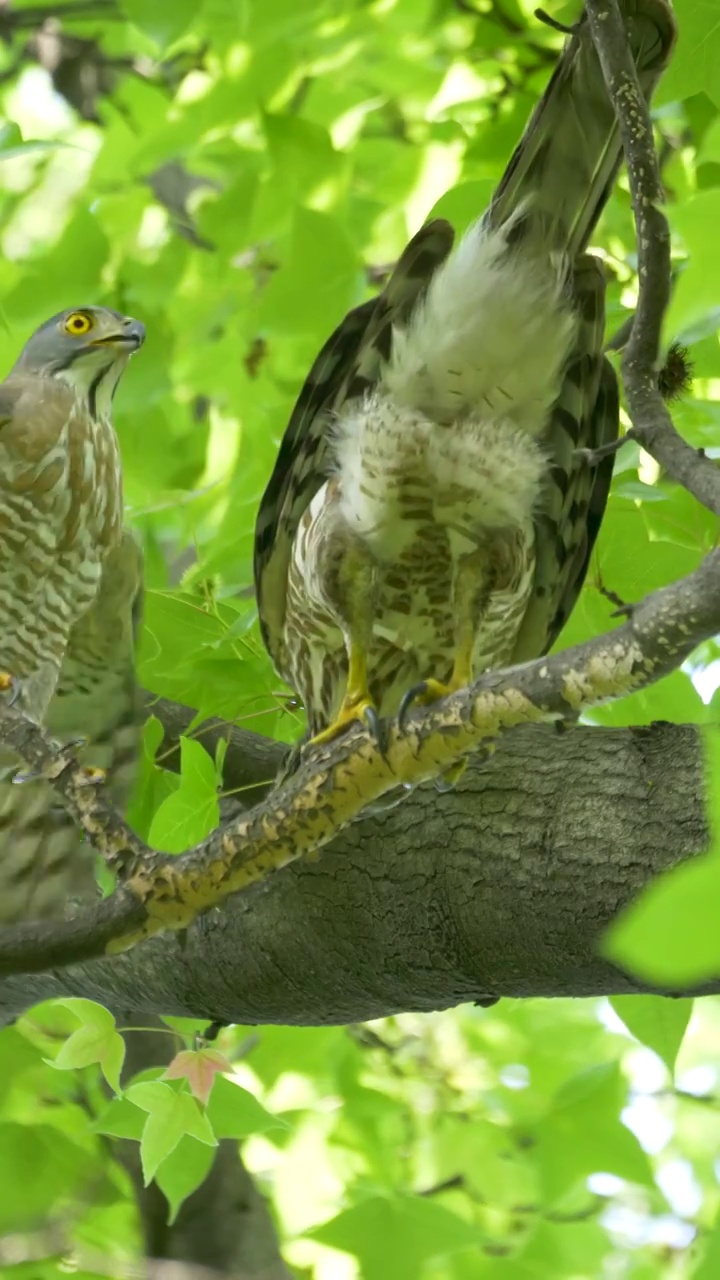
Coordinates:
<point>43,860</point>
<point>429,515</point>
<point>61,507</point>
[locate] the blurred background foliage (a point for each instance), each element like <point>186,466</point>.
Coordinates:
<point>238,174</point>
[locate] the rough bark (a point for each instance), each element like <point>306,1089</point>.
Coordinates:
<point>336,783</point>
<point>501,888</point>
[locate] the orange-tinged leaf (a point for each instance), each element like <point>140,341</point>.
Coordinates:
<point>199,1067</point>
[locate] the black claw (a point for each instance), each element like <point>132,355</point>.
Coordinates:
<point>376,728</point>
<point>442,785</point>
<point>408,702</point>
<point>19,779</point>
<point>387,802</point>
<point>12,694</point>
<point>292,760</point>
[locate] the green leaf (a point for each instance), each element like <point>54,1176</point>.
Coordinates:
<point>697,291</point>
<point>183,1171</point>
<point>708,1267</point>
<point>319,281</point>
<point>150,1095</point>
<point>39,1169</point>
<point>12,143</point>
<point>190,1027</point>
<point>235,1113</point>
<point>192,811</point>
<point>95,1041</point>
<point>695,61</point>
<point>671,934</point>
<point>396,1236</point>
<point>162,21</point>
<point>17,1055</point>
<point>583,1134</point>
<point>305,159</point>
<point>656,1021</point>
<point>121,1119</point>
<point>170,1116</point>
<point>461,205</point>
<point>73,270</point>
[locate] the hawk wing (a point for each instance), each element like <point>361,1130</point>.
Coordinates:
<point>573,138</point>
<point>585,416</point>
<point>43,860</point>
<point>348,364</point>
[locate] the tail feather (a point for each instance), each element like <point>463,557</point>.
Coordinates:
<point>566,162</point>
<point>491,336</point>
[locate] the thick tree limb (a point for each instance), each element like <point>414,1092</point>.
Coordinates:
<point>333,786</point>
<point>502,887</point>
<point>331,789</point>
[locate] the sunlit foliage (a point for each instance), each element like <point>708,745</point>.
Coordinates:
<point>237,174</point>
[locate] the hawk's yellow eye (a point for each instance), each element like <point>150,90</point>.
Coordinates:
<point>78,323</point>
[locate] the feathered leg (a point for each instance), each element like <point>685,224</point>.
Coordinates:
<point>350,587</point>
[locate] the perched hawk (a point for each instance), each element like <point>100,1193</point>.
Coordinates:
<point>44,861</point>
<point>61,541</point>
<point>428,516</point>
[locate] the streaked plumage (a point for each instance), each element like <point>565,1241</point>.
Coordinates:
<point>60,489</point>
<point>428,514</point>
<point>67,576</point>
<point>43,861</point>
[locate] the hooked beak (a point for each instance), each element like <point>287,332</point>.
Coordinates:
<point>132,336</point>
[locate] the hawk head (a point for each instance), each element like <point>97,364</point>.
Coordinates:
<point>86,347</point>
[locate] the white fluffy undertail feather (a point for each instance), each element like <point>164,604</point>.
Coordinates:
<point>482,474</point>
<point>492,335</point>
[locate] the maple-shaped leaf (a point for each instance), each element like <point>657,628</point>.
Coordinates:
<point>199,1067</point>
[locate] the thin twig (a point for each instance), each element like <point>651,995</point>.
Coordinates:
<point>651,421</point>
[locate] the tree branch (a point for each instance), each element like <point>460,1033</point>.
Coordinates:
<point>334,784</point>
<point>502,887</point>
<point>652,424</point>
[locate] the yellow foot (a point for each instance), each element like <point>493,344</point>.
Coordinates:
<point>92,776</point>
<point>424,694</point>
<point>9,684</point>
<point>352,709</point>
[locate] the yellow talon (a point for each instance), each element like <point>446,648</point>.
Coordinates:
<point>356,705</point>
<point>350,711</point>
<point>9,684</point>
<point>92,776</point>
<point>431,690</point>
